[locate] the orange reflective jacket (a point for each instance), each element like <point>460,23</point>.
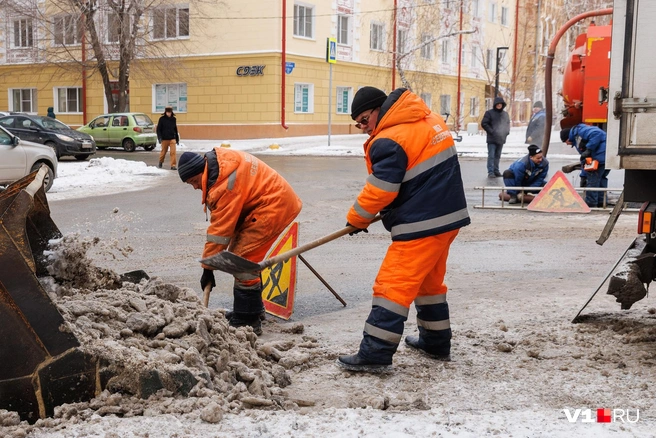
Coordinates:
<point>249,202</point>
<point>414,174</point>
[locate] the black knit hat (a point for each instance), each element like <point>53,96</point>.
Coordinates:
<point>190,165</point>
<point>534,150</point>
<point>564,134</point>
<point>365,99</point>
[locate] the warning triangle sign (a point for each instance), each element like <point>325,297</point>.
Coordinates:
<point>279,281</point>
<point>559,196</point>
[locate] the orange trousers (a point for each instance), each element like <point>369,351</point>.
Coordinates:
<point>165,147</point>
<point>414,268</point>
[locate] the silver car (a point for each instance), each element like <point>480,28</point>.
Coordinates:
<point>19,158</point>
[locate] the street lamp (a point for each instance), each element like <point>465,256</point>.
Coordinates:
<point>496,76</point>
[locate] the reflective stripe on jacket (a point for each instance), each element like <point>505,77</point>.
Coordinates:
<point>249,202</point>
<point>414,174</point>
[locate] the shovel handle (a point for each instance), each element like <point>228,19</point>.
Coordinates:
<point>206,295</point>
<point>308,246</point>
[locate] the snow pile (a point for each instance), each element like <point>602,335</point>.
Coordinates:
<point>160,351</point>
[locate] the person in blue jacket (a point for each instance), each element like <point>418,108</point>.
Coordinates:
<point>529,171</point>
<point>590,142</point>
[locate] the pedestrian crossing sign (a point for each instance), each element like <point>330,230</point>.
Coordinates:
<point>558,196</point>
<point>279,281</point>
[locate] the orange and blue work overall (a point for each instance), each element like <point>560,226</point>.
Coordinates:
<point>415,183</point>
<point>250,204</point>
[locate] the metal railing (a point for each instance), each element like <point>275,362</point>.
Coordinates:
<point>522,204</point>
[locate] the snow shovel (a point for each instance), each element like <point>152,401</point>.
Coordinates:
<point>233,264</point>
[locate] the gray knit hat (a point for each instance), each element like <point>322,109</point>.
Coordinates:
<point>190,165</point>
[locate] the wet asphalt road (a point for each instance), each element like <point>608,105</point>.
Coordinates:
<point>165,226</point>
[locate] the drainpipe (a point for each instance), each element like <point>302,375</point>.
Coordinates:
<point>394,42</point>
<point>549,66</point>
<point>283,64</point>
<point>514,72</point>
<point>84,70</point>
<point>459,55</point>
<point>537,54</point>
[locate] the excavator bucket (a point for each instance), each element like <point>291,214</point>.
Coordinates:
<point>41,363</point>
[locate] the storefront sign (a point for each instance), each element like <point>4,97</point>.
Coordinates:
<point>250,70</point>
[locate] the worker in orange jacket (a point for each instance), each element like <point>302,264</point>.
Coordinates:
<point>250,204</point>
<point>415,184</point>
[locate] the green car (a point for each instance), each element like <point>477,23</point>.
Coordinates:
<point>126,130</point>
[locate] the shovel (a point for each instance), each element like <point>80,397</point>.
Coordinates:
<point>233,264</point>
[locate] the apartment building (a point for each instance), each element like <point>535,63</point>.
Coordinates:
<point>251,69</point>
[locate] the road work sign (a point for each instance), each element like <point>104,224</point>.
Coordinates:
<point>279,281</point>
<point>559,196</point>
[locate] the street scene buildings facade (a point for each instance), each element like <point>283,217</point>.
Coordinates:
<point>259,69</point>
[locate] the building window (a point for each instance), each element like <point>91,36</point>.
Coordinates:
<point>446,48</point>
<point>475,8</point>
<point>170,23</point>
<point>304,21</point>
<point>23,33</point>
<point>376,36</point>
<point>68,100</point>
<point>426,49</point>
<point>493,12</point>
<point>173,95</point>
<point>445,104</point>
<point>303,98</point>
<point>489,59</point>
<point>401,41</point>
<point>488,103</point>
<point>344,99</point>
<point>113,26</point>
<point>426,97</point>
<point>343,30</point>
<point>504,16</point>
<point>473,106</point>
<point>66,30</point>
<point>22,100</point>
<point>474,58</point>
<point>463,50</point>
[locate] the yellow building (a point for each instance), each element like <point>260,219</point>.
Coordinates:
<point>259,69</point>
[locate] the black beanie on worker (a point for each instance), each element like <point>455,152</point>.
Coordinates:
<point>534,150</point>
<point>190,164</point>
<point>564,134</point>
<point>365,99</point>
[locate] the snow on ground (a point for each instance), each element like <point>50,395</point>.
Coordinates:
<point>107,175</point>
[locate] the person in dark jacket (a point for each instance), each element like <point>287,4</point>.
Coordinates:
<point>51,112</point>
<point>535,128</point>
<point>529,171</point>
<point>415,184</point>
<point>590,142</point>
<point>496,124</point>
<point>167,135</point>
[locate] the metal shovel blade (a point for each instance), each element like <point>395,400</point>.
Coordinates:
<point>231,263</point>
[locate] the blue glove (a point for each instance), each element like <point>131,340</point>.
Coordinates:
<point>352,233</point>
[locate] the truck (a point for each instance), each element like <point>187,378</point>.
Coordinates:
<point>631,139</point>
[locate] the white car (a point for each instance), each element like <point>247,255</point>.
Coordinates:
<point>19,158</point>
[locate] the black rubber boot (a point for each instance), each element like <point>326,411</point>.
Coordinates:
<point>417,343</point>
<point>248,308</point>
<point>355,363</point>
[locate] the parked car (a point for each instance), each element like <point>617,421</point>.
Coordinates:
<point>126,130</point>
<point>19,158</point>
<point>51,132</point>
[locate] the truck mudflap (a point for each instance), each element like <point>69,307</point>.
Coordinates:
<point>631,280</point>
<point>41,363</point>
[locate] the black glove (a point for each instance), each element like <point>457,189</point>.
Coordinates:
<point>207,278</point>
<point>585,154</point>
<point>159,140</point>
<point>357,230</point>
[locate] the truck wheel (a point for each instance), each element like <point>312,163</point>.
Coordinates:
<point>54,147</point>
<point>49,178</point>
<point>128,145</point>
